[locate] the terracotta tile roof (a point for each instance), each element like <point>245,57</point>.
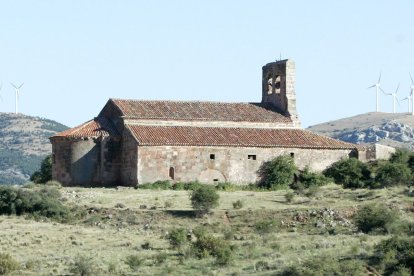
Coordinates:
<point>93,128</point>
<point>238,137</point>
<point>195,110</point>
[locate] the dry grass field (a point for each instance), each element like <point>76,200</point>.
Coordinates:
<point>124,222</point>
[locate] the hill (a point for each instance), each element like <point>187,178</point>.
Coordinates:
<point>391,129</point>
<point>23,145</point>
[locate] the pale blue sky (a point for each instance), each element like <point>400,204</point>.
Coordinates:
<point>75,55</point>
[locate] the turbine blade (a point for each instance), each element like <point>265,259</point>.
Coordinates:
<point>379,79</point>
<point>20,86</point>
<point>371,86</point>
<point>12,84</point>
<point>397,88</point>
<point>412,81</point>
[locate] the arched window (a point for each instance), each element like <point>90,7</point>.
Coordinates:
<point>171,173</point>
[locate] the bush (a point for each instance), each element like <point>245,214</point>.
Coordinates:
<point>228,187</point>
<point>45,173</point>
<point>278,173</point>
<point>208,245</point>
<point>134,261</point>
<point>375,218</point>
<point>82,266</point>
<point>7,264</point>
<point>204,198</point>
<point>157,185</point>
<point>265,226</point>
<point>17,201</point>
<point>177,238</point>
<point>401,156</point>
<point>392,174</point>
<point>396,255</point>
<point>289,196</point>
<point>351,173</point>
<point>186,185</point>
<point>309,179</point>
<point>238,204</point>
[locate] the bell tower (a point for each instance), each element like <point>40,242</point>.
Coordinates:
<point>278,87</point>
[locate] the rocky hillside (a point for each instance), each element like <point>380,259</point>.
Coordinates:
<point>396,130</point>
<point>23,145</point>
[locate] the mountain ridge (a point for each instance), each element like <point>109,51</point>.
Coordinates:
<point>391,129</point>
<point>24,143</point>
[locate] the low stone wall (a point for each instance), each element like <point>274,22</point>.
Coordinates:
<point>218,164</point>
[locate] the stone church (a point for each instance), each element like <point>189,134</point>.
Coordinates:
<point>136,141</point>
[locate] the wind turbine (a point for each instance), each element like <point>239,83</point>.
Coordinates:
<point>378,88</point>
<point>412,94</point>
<point>394,97</point>
<point>17,91</point>
<point>409,98</point>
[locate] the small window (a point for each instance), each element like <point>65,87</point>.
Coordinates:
<point>212,156</point>
<point>171,173</point>
<point>215,180</point>
<point>251,156</point>
<point>292,154</point>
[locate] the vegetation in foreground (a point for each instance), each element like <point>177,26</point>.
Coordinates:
<point>307,228</point>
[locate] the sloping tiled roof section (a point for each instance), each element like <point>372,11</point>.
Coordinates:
<point>195,110</point>
<point>93,129</point>
<point>236,137</point>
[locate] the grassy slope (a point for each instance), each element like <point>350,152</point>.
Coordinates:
<point>109,234</point>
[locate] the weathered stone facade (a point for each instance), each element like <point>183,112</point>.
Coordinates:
<point>134,142</point>
<point>238,165</point>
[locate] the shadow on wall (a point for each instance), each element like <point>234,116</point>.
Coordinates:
<point>85,169</point>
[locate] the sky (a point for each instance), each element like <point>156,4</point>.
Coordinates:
<point>73,55</point>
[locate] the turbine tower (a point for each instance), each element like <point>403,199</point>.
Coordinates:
<point>17,92</point>
<point>409,99</point>
<point>378,88</point>
<point>412,95</point>
<point>394,97</point>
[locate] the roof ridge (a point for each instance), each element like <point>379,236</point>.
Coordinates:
<point>182,101</point>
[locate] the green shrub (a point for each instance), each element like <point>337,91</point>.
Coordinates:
<point>309,179</point>
<point>37,203</point>
<point>161,257</point>
<point>265,226</point>
<point>7,264</point>
<point>82,266</point>
<point>228,187</point>
<point>157,185</point>
<point>396,254</point>
<point>134,261</point>
<point>351,173</point>
<point>187,186</point>
<point>204,198</point>
<point>401,156</point>
<point>44,174</point>
<point>208,245</point>
<point>326,266</point>
<point>238,204</point>
<point>289,196</point>
<point>392,174</point>
<point>177,238</point>
<point>277,173</point>
<point>375,218</point>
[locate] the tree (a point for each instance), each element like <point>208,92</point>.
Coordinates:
<point>351,173</point>
<point>278,173</point>
<point>392,174</point>
<point>204,198</point>
<point>45,173</point>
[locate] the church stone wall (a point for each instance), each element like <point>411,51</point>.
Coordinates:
<point>85,162</point>
<point>129,160</point>
<point>232,164</point>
